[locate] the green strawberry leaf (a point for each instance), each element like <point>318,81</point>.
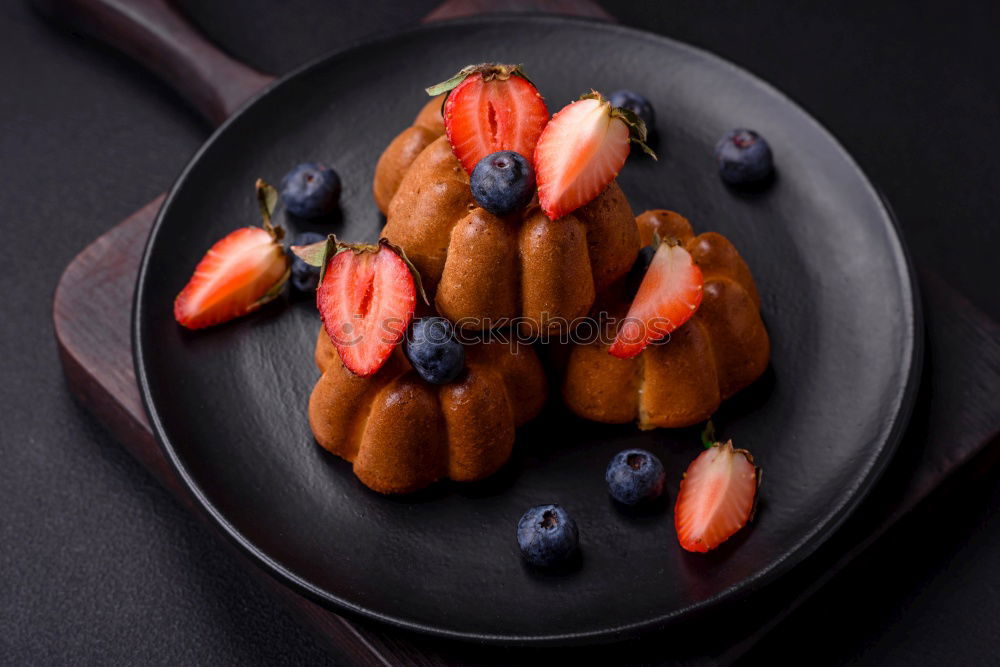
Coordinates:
<point>708,435</point>
<point>637,129</point>
<point>319,254</point>
<point>489,71</point>
<point>267,200</point>
<point>312,254</point>
<point>448,84</point>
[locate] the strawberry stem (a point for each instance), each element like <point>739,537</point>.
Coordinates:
<point>489,71</point>
<point>319,254</point>
<point>275,291</point>
<point>267,199</point>
<point>637,132</point>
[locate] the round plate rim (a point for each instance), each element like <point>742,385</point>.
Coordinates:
<point>792,556</point>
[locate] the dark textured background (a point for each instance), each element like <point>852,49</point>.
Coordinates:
<point>98,564</point>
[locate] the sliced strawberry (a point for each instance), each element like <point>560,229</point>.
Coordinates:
<point>717,497</point>
<point>237,275</point>
<point>491,108</point>
<point>581,151</point>
<point>668,296</point>
<point>366,298</point>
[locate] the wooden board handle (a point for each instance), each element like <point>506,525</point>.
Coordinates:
<point>155,35</point>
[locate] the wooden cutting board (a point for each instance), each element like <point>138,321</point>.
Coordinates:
<point>956,415</point>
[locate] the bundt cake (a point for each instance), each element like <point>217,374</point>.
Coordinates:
<point>402,433</point>
<point>484,271</point>
<point>723,347</point>
<point>526,267</point>
<point>404,149</point>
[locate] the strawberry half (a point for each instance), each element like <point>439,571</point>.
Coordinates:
<point>491,108</point>
<point>717,497</point>
<point>581,151</point>
<point>668,296</point>
<point>366,298</point>
<point>238,274</point>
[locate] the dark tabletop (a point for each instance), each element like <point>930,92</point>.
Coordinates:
<point>99,564</point>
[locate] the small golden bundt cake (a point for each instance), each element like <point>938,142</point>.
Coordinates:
<point>723,348</point>
<point>486,271</point>
<point>402,433</point>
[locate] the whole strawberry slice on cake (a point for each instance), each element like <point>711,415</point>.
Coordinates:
<point>581,151</point>
<point>239,274</point>
<point>489,108</point>
<point>668,296</point>
<point>366,298</point>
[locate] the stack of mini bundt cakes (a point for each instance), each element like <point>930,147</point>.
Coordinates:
<point>565,254</point>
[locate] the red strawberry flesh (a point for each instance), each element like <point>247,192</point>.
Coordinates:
<point>483,115</point>
<point>366,299</point>
<point>580,152</point>
<point>233,278</point>
<point>716,498</point>
<point>668,296</point>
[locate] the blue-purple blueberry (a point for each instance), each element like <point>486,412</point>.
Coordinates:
<point>434,351</point>
<point>547,535</point>
<point>503,182</point>
<point>310,190</point>
<point>744,157</point>
<point>635,476</point>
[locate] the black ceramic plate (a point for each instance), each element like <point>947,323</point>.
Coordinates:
<point>229,404</point>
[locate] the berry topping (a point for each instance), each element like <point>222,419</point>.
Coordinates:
<point>433,350</point>
<point>581,151</point>
<point>503,182</point>
<point>744,157</point>
<point>491,108</point>
<point>547,535</point>
<point>668,296</point>
<point>717,497</point>
<point>637,104</point>
<point>634,476</point>
<point>239,274</point>
<point>310,190</point>
<point>366,298</point>
<point>305,277</point>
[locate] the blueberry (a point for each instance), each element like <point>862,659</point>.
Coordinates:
<point>310,190</point>
<point>637,104</point>
<point>305,277</point>
<point>547,535</point>
<point>433,350</point>
<point>639,268</point>
<point>634,476</point>
<point>743,157</point>
<point>503,182</point>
